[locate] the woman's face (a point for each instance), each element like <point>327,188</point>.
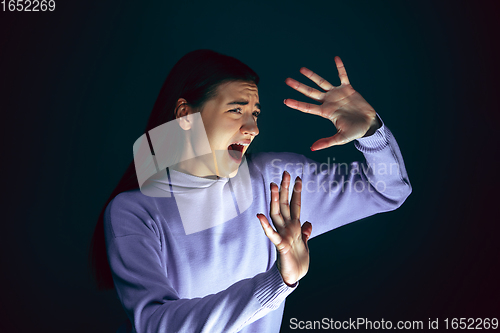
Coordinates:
<point>230,121</point>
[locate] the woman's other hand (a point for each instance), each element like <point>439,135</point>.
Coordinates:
<point>289,237</point>
<point>351,115</point>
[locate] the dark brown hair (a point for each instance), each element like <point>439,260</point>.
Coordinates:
<point>195,77</point>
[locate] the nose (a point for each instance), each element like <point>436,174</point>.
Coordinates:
<point>249,127</point>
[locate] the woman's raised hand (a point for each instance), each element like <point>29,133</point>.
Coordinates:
<point>289,237</point>
<point>351,115</point>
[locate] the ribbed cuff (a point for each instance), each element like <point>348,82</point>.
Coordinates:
<point>375,142</point>
<point>270,288</point>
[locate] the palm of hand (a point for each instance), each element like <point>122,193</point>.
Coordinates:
<point>289,238</point>
<point>345,107</point>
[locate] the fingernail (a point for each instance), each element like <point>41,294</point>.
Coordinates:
<point>286,172</point>
<point>284,101</point>
<point>312,149</point>
<point>298,178</point>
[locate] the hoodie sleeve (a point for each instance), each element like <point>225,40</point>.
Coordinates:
<point>339,193</point>
<point>146,293</point>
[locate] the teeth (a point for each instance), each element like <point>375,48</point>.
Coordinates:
<point>241,144</point>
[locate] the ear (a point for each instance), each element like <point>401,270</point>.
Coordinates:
<point>182,114</point>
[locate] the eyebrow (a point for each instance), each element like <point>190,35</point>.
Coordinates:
<point>257,105</point>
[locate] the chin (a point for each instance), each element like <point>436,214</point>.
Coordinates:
<point>227,166</point>
<point>229,169</point>
<point>233,174</point>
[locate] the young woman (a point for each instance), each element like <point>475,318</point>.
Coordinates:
<point>200,255</point>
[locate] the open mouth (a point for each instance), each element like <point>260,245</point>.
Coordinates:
<point>236,151</point>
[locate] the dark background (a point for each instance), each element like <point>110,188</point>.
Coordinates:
<point>77,87</point>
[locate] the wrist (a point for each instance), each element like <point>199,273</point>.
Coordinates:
<point>375,125</point>
<point>292,285</point>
